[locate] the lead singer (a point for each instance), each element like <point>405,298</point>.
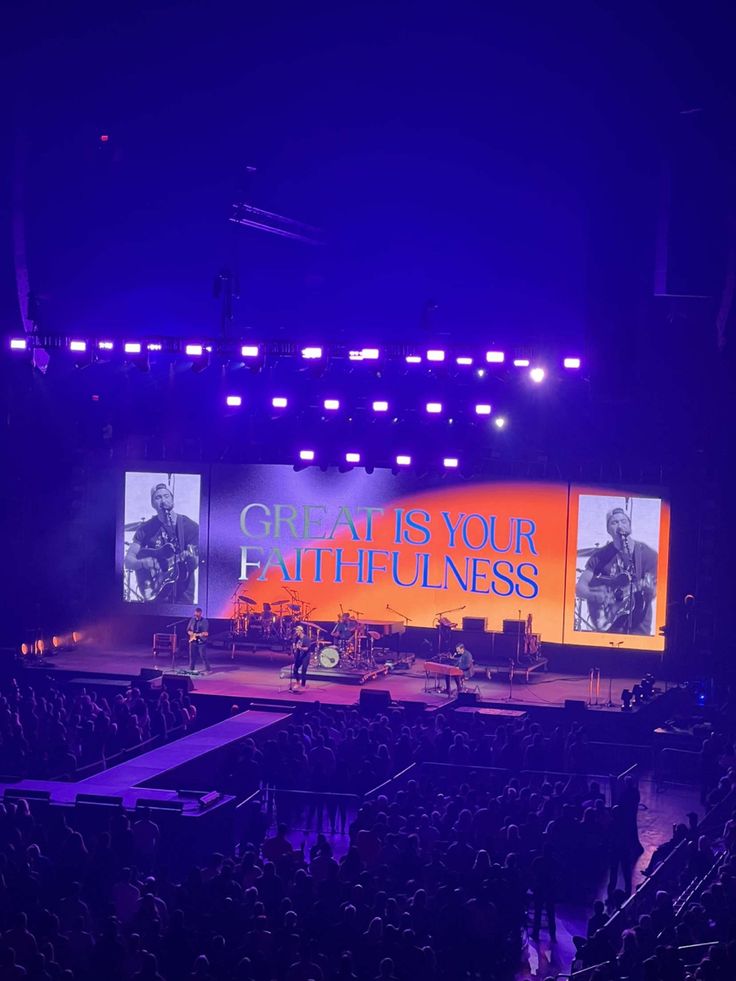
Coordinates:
<point>300,649</point>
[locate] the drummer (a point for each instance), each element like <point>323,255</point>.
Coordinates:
<point>343,630</point>
<point>267,619</point>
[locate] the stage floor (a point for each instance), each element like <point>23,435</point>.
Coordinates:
<point>257,675</point>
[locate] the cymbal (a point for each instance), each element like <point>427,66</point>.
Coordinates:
<point>247,600</point>
<point>132,525</point>
<point>279,603</point>
<point>314,626</point>
<point>588,551</point>
<point>295,607</point>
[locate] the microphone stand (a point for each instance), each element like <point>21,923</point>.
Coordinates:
<point>407,621</point>
<point>175,624</point>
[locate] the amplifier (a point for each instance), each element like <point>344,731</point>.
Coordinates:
<point>514,627</point>
<point>475,624</point>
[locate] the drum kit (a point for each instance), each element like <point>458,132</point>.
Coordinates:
<point>350,648</point>
<point>275,621</point>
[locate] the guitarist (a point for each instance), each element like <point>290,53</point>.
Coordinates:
<point>619,581</point>
<point>198,630</point>
<point>159,542</point>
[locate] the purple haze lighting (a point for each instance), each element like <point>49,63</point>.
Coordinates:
<point>435,355</point>
<point>403,460</point>
<point>413,359</point>
<point>537,375</point>
<point>306,454</point>
<point>279,402</point>
<point>463,361</point>
<point>571,363</point>
<point>499,422</point>
<point>450,462</point>
<point>332,405</point>
<point>234,400</point>
<point>249,351</point>
<point>18,344</point>
<point>194,350</point>
<point>311,353</point>
<point>434,408</point>
<point>380,406</point>
<point>495,357</point>
<point>80,346</point>
<point>105,345</point>
<point>132,347</point>
<point>483,409</point>
<point>521,362</point>
<point>352,457</point>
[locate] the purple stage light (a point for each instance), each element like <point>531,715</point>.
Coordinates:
<point>435,355</point>
<point>571,363</point>
<point>279,402</point>
<point>521,362</point>
<point>306,455</point>
<point>403,460</point>
<point>249,351</point>
<point>364,354</point>
<point>234,400</point>
<point>495,357</point>
<point>194,350</point>
<point>311,353</point>
<point>434,408</point>
<point>331,405</point>
<point>352,457</point>
<point>537,375</point>
<point>450,463</point>
<point>155,346</point>
<point>499,422</point>
<point>132,347</point>
<point>380,406</point>
<point>413,359</point>
<point>483,409</point>
<point>105,345</point>
<point>18,344</point>
<point>463,361</point>
<point>80,346</point>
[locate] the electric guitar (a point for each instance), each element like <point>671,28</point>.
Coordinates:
<point>197,637</point>
<point>625,603</point>
<point>172,564</point>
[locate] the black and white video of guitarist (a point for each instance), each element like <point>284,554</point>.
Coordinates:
<point>164,552</point>
<point>619,582</point>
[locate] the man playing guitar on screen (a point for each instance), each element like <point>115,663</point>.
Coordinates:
<point>619,581</point>
<point>198,631</point>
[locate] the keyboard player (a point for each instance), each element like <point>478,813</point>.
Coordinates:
<point>463,659</point>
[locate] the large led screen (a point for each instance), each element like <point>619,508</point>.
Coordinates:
<point>589,564</point>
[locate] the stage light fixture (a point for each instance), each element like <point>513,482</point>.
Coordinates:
<point>413,359</point>
<point>463,361</point>
<point>500,422</point>
<point>495,357</point>
<point>25,649</point>
<point>481,373</point>
<point>132,347</point>
<point>521,362</point>
<point>537,375</point>
<point>380,406</point>
<point>435,355</point>
<point>279,402</point>
<point>364,354</point>
<point>311,353</point>
<point>79,346</point>
<point>307,455</point>
<point>352,457</point>
<point>403,460</point>
<point>234,400</point>
<point>105,345</point>
<point>434,408</point>
<point>18,344</point>
<point>249,351</point>
<point>331,405</point>
<point>571,363</point>
<point>450,463</point>
<point>482,409</point>
<point>194,350</point>
<point>155,346</point>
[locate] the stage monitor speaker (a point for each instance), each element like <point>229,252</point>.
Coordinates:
<point>178,683</point>
<point>574,705</point>
<point>467,698</point>
<point>514,627</point>
<point>475,624</point>
<point>375,700</point>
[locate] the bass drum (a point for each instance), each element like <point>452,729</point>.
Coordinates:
<point>329,657</point>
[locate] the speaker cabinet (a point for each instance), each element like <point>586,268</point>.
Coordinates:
<point>374,700</point>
